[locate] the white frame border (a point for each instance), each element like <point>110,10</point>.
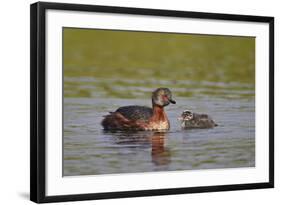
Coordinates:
<point>58,185</point>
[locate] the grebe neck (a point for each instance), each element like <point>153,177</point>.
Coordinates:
<point>158,113</point>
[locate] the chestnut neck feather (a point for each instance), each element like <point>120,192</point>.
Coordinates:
<point>158,113</point>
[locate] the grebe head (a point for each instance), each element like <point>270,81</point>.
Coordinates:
<point>162,97</point>
<point>186,115</point>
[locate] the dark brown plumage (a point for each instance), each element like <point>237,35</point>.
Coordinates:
<point>135,112</point>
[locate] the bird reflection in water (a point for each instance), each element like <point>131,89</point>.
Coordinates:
<point>160,154</point>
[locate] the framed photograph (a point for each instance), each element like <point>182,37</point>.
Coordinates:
<point>129,102</point>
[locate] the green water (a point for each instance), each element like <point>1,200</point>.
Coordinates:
<point>104,70</point>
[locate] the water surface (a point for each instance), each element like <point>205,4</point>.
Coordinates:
<point>89,150</point>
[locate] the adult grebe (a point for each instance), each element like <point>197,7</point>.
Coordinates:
<point>140,117</point>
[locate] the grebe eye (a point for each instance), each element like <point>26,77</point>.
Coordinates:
<point>165,97</point>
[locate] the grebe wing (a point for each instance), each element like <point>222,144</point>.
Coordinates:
<point>135,112</point>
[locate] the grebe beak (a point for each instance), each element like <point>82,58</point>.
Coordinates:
<point>172,101</point>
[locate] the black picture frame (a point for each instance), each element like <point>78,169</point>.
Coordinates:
<point>38,101</point>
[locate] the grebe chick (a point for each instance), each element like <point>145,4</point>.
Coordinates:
<point>191,120</point>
